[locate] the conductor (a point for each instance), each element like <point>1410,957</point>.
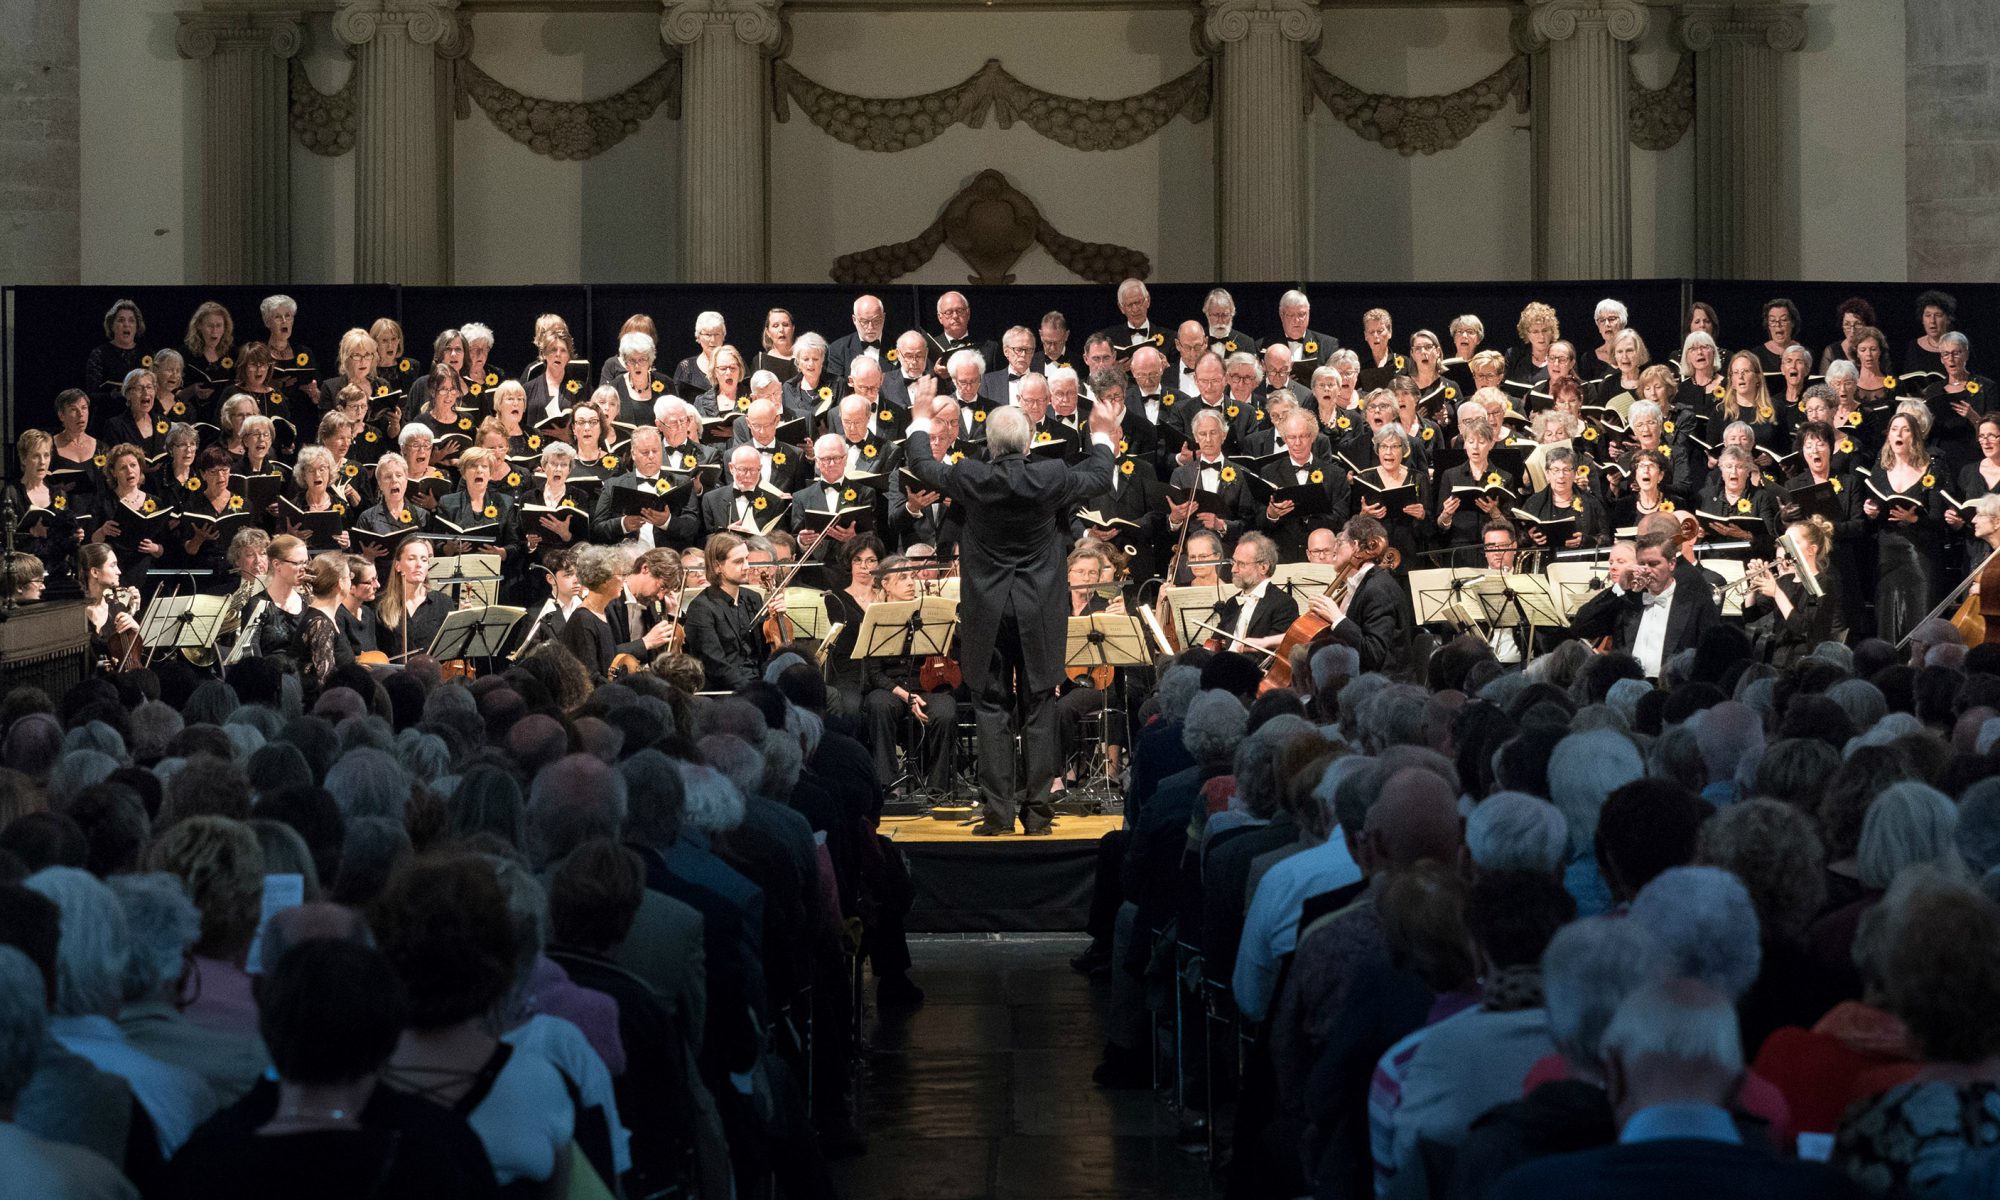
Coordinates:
<point>1013,604</point>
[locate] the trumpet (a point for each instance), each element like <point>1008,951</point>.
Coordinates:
<point>1756,574</point>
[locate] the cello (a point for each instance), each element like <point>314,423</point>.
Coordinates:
<point>1977,619</point>
<point>1310,625</point>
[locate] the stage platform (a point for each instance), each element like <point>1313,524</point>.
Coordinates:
<point>1010,884</point>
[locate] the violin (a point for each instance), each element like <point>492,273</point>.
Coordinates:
<point>939,672</point>
<point>1978,618</point>
<point>125,646</point>
<point>623,665</point>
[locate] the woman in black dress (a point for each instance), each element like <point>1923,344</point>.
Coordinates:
<point>408,611</point>
<point>1908,511</point>
<point>209,518</point>
<point>208,367</point>
<point>695,374</point>
<point>318,645</point>
<point>585,632</point>
<point>105,368</point>
<point>776,356</point>
<point>1781,329</point>
<point>47,527</point>
<point>846,674</point>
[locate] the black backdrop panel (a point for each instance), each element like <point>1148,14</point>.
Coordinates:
<point>56,327</point>
<point>509,312</point>
<point>825,309</point>
<point>1740,305</point>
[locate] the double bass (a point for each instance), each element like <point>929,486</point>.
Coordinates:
<point>1978,617</point>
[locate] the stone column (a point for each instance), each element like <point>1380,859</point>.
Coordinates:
<point>1740,204</point>
<point>400,197</point>
<point>41,208</point>
<point>725,125</point>
<point>1261,109</point>
<point>1586,223</point>
<point>246,173</point>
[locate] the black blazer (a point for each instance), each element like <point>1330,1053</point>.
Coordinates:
<point>1014,554</point>
<point>1612,614</point>
<point>586,635</point>
<point>1273,615</point>
<point>1669,1169</point>
<point>1378,624</point>
<point>607,524</point>
<point>1291,530</point>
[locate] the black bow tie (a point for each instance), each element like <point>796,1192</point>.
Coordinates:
<point>1013,378</point>
<point>767,449</point>
<point>1141,330</point>
<point>1206,465</point>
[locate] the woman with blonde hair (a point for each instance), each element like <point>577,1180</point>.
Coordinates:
<point>407,610</point>
<point>1746,399</point>
<point>318,645</point>
<point>1800,620</point>
<point>1905,503</point>
<point>1528,363</point>
<point>211,334</point>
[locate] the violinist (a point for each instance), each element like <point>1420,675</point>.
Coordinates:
<point>408,611</point>
<point>565,593</point>
<point>1368,609</point>
<point>1092,590</point>
<point>845,674</point>
<point>356,617</point>
<point>318,645</point>
<point>722,621</point>
<point>638,625</point>
<point>893,691</point>
<point>108,608</point>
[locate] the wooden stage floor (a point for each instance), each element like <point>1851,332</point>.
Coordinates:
<point>905,831</point>
<point>1012,883</point>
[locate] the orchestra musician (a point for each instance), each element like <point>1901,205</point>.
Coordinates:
<point>108,609</point>
<point>1370,610</point>
<point>895,693</point>
<point>1083,692</point>
<point>1649,611</point>
<point>318,646</point>
<point>1257,616</point>
<point>408,611</point>
<point>1799,620</point>
<point>721,626</point>
<point>1011,624</point>
<point>585,633</point>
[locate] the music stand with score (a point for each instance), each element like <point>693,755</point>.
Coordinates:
<point>1438,595</point>
<point>468,633</point>
<point>1104,640</point>
<point>914,630</point>
<point>1192,606</point>
<point>183,622</point>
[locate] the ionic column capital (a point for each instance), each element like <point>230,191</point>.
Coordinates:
<point>754,22</point>
<point>1547,21</point>
<point>1226,21</point>
<point>1775,25</point>
<point>425,22</point>
<point>201,34</point>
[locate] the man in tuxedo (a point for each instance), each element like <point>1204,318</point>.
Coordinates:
<point>830,492</point>
<point>1011,609</point>
<point>954,317</point>
<point>1218,309</point>
<point>681,448</point>
<point>1256,617</point>
<point>1202,467</point>
<point>1650,610</point>
<point>1309,347</point>
<point>1372,612</point>
<point>1000,387</point>
<point>1673,1062</point>
<point>910,362</point>
<point>722,507</point>
<point>1190,345</point>
<point>1241,404</point>
<point>664,526</point>
<point>918,515</point>
<point>1281,376</point>
<point>964,369</point>
<point>1052,338</point>
<point>639,621</point>
<point>1210,390</point>
<point>1149,409</point>
<point>868,320</point>
<point>868,452</point>
<point>1136,495</point>
<point>782,466</point>
<point>1135,304</point>
<point>1300,466</point>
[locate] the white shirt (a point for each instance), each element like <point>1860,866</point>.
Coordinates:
<point>564,1045</point>
<point>1187,387</point>
<point>175,1098</point>
<point>1153,409</point>
<point>1210,474</point>
<point>764,455</point>
<point>1354,586</point>
<point>1250,600</point>
<point>1271,927</point>
<point>1649,645</point>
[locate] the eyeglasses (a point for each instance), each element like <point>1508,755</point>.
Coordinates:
<point>293,562</point>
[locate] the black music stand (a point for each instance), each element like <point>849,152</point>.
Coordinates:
<point>1103,640</point>
<point>913,630</point>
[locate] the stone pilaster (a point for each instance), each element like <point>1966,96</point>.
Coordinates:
<point>401,198</point>
<point>1740,199</point>
<point>725,128</point>
<point>1262,198</point>
<point>1585,191</point>
<point>246,175</point>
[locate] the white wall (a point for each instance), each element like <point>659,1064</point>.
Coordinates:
<point>1157,196</point>
<point>1462,213</point>
<point>521,218</point>
<point>141,177</point>
<point>1845,98</point>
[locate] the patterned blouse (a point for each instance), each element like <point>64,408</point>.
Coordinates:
<point>1907,1139</point>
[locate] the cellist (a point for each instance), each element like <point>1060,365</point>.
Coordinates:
<point>1368,609</point>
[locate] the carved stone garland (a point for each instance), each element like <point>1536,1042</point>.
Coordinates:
<point>323,121</point>
<point>1660,117</point>
<point>991,224</point>
<point>1413,125</point>
<point>883,123</point>
<point>575,129</point>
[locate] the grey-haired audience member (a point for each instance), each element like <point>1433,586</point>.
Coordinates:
<point>1513,831</point>
<point>1706,923</point>
<point>368,782</point>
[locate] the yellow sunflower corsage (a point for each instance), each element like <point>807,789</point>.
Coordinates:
<point>339,508</point>
<point>1231,411</point>
<point>235,503</point>
<point>381,389</point>
<point>1342,423</point>
<point>371,437</point>
<point>893,357</point>
<point>1667,426</point>
<point>1972,386</point>
<point>659,385</point>
<point>1230,345</point>
<point>849,495</point>
<point>159,427</point>
<point>886,415</point>
<point>1257,416</point>
<point>465,422</point>
<point>742,404</point>
<point>513,479</point>
<point>572,387</point>
<point>1590,433</point>
<point>1718,391</point>
<point>1743,505</point>
<point>1125,467</point>
<point>1159,339</point>
<point>1577,504</point>
<point>687,460</point>
<point>1854,419</point>
<point>1229,474</point>
<point>146,360</point>
<point>193,485</point>
<point>1666,452</point>
<point>1450,392</point>
<point>404,516</point>
<point>1401,362</point>
<point>1493,479</point>
<point>149,506</point>
<point>59,503</point>
<point>1888,381</point>
<point>778,459</point>
<point>957,456</point>
<point>1166,400</point>
<point>608,461</point>
<point>1928,481</point>
<point>227,362</point>
<point>475,389</point>
<point>534,441</point>
<point>1847,445</point>
<point>1428,433</point>
<point>868,451</point>
<point>1042,437</point>
<point>1836,486</point>
<point>402,364</point>
<point>979,417</point>
<point>1316,477</point>
<point>826,393</point>
<point>492,510</point>
<point>1666,506</point>
<point>350,470</point>
<point>492,379</point>
<point>760,504</point>
<point>180,409</point>
<point>303,358</point>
